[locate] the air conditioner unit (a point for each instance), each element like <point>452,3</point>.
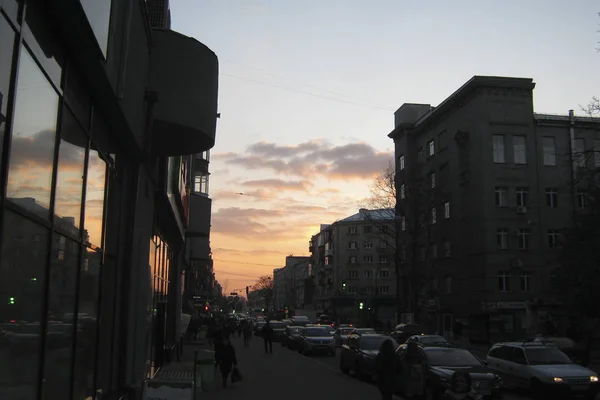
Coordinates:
<point>521,210</point>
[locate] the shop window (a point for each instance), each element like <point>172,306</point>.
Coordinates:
<point>7,42</point>
<point>32,148</point>
<point>94,199</point>
<point>70,172</point>
<point>64,265</point>
<point>22,281</point>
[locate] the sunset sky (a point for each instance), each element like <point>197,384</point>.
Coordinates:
<point>308,90</point>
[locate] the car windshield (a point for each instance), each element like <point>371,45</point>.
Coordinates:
<point>451,358</point>
<point>315,332</point>
<point>345,331</point>
<point>374,342</point>
<point>295,330</point>
<point>362,331</point>
<point>546,355</point>
<point>277,325</point>
<point>432,339</point>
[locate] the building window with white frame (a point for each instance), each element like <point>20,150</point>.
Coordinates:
<point>525,279</point>
<point>368,259</point>
<point>384,290</point>
<point>367,229</point>
<point>549,149</point>
<point>447,248</point>
<point>499,151</point>
<point>523,238</point>
<point>352,259</point>
<point>579,153</point>
<point>402,162</point>
<point>352,230</point>
<point>522,194</point>
<point>383,259</point>
<point>352,289</point>
<point>353,245</point>
<point>447,210</point>
<point>552,197</point>
<point>383,244</point>
<point>402,191</point>
<point>520,149</point>
<point>432,180</point>
<point>553,237</point>
<point>368,244</point>
<point>504,281</point>
<point>433,250</point>
<point>384,273</point>
<point>368,273</point>
<point>502,238</point>
<point>431,148</point>
<point>352,274</point>
<point>433,216</point>
<point>501,196</point>
<point>581,198</point>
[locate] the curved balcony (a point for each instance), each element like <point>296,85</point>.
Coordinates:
<point>184,74</point>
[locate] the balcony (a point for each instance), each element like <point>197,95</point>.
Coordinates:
<point>197,252</point>
<point>200,211</point>
<point>184,74</point>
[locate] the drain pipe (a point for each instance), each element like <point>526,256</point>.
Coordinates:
<point>573,160</point>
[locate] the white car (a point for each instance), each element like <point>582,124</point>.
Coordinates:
<point>545,370</point>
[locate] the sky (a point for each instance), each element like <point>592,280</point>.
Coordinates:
<point>308,88</point>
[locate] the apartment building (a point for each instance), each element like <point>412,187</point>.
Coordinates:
<point>499,190</point>
<point>289,282</point>
<point>353,263</point>
<point>98,127</point>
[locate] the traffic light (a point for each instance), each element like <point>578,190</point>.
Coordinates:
<point>344,285</point>
<point>11,300</point>
<point>361,305</point>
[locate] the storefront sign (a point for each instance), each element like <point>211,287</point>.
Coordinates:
<point>503,305</point>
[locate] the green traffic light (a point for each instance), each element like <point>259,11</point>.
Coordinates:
<point>361,305</point>
<point>33,279</point>
<point>11,300</point>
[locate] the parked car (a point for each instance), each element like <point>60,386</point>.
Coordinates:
<point>403,331</point>
<point>292,337</point>
<point>577,352</point>
<point>429,340</point>
<point>316,339</point>
<point>442,362</point>
<point>359,352</point>
<point>544,370</point>
<point>299,320</point>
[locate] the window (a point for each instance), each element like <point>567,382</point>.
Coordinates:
<point>498,144</point>
<point>352,289</point>
<point>447,210</point>
<point>552,197</point>
<point>549,148</point>
<point>581,198</point>
<point>523,238</point>
<point>553,236</point>
<point>520,149</point>
<point>367,229</point>
<point>383,244</point>
<point>504,281</point>
<point>525,279</point>
<point>383,259</point>
<point>433,216</point>
<point>502,238</point>
<point>352,274</point>
<point>7,41</point>
<point>402,191</point>
<point>403,223</point>
<point>352,230</point>
<point>352,259</point>
<point>597,152</point>
<point>384,289</point>
<point>383,229</point>
<point>433,250</point>
<point>368,245</point>
<point>579,153</point>
<point>368,273</point>
<point>368,259</point>
<point>402,162</point>
<point>448,285</point>
<point>431,148</point>
<point>501,196</point>
<point>352,245</point>
<point>432,180</point>
<point>447,248</point>
<point>522,195</point>
<point>384,273</point>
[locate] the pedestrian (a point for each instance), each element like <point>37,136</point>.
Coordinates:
<point>267,332</point>
<point>225,359</point>
<point>247,328</point>
<point>413,371</point>
<point>387,369</point>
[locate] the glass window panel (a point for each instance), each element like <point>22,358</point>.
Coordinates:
<point>11,8</point>
<point>85,358</point>
<point>42,41</point>
<point>98,14</point>
<point>64,264</point>
<point>70,171</point>
<point>77,96</point>
<point>22,277</point>
<point>7,42</point>
<point>94,199</point>
<point>34,131</point>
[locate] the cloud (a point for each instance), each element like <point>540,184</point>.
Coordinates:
<point>312,159</point>
<point>279,184</point>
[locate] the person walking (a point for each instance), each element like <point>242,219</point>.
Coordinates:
<point>267,332</point>
<point>225,359</point>
<point>247,328</point>
<point>387,368</point>
<point>413,371</point>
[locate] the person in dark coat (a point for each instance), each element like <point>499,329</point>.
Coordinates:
<point>247,331</point>
<point>414,371</point>
<point>387,369</point>
<point>267,332</point>
<point>226,360</point>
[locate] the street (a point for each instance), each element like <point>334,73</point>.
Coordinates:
<point>290,375</point>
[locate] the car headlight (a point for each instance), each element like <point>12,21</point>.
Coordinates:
<point>557,379</point>
<point>593,378</point>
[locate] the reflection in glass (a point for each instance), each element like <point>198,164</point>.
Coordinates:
<point>87,323</point>
<point>61,308</point>
<point>34,129</point>
<point>70,168</point>
<point>94,199</point>
<point>7,41</point>
<point>22,271</point>
<point>160,255</point>
<point>98,14</point>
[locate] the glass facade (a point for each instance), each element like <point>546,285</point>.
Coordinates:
<point>52,216</point>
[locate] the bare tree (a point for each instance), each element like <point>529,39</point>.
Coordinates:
<point>225,287</point>
<point>264,286</point>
